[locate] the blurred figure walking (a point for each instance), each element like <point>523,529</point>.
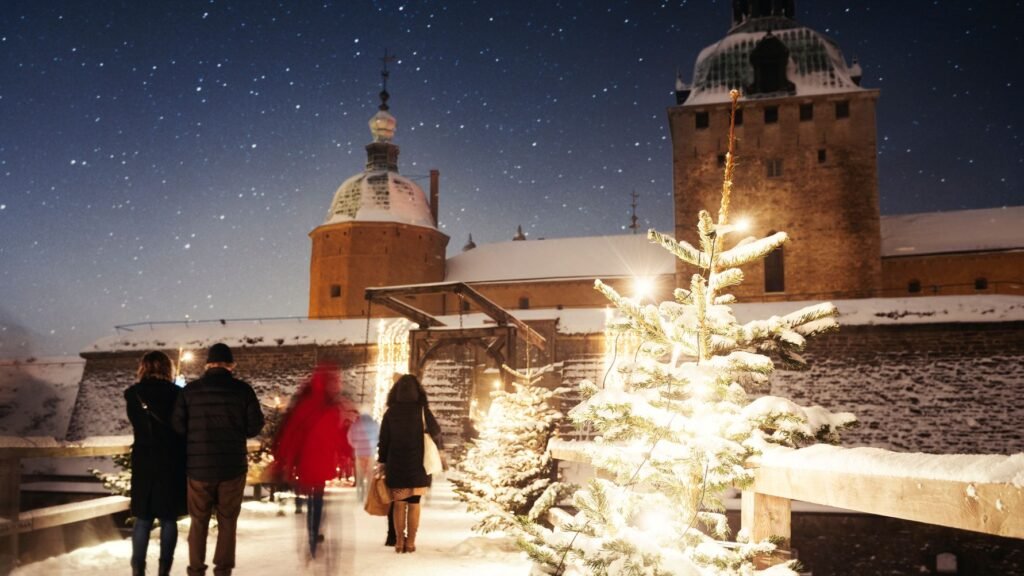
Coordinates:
<point>312,446</point>
<point>363,436</point>
<point>158,461</point>
<point>400,453</point>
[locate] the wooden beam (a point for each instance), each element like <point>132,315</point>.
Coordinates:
<point>501,316</point>
<point>486,305</point>
<point>48,447</point>
<point>69,513</point>
<point>764,517</point>
<point>988,508</point>
<point>418,316</point>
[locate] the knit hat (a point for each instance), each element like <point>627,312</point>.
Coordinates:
<point>219,354</point>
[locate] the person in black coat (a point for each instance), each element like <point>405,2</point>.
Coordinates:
<point>400,453</point>
<point>216,414</point>
<point>158,461</point>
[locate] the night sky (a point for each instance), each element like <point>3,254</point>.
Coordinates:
<point>166,160</point>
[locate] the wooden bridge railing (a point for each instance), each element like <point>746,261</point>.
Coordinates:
<point>981,493</point>
<point>13,521</point>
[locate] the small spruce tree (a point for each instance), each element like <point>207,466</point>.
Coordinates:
<point>675,428</point>
<point>508,467</point>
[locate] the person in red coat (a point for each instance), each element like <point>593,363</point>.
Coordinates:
<point>312,445</point>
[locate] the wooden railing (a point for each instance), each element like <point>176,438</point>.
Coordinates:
<point>888,488</point>
<point>13,521</point>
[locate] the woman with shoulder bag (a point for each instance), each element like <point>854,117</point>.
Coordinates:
<point>158,461</point>
<point>400,452</point>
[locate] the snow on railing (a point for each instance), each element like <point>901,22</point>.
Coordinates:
<point>977,492</point>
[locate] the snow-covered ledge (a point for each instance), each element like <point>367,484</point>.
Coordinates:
<point>978,492</point>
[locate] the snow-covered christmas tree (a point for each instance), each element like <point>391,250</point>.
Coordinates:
<point>508,467</point>
<point>674,425</point>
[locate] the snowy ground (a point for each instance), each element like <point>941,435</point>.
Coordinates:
<point>271,545</point>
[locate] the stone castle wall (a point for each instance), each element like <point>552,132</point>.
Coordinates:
<point>939,388</point>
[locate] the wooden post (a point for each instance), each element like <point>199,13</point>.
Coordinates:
<point>764,516</point>
<point>10,504</point>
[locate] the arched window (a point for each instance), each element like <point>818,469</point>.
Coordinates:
<point>524,302</point>
<point>774,270</point>
<point>981,283</point>
<point>914,286</point>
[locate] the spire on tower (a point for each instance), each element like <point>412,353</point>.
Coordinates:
<point>384,79</point>
<point>633,219</point>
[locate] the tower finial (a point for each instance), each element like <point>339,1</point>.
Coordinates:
<point>384,79</point>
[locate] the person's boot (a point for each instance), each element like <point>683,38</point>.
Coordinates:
<point>390,540</point>
<point>139,569</point>
<point>165,569</point>
<point>412,526</point>
<point>399,511</point>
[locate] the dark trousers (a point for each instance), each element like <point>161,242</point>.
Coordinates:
<point>204,498</point>
<point>140,540</point>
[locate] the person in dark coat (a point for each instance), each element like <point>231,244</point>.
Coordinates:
<point>216,414</point>
<point>400,453</point>
<point>158,461</point>
<point>311,446</point>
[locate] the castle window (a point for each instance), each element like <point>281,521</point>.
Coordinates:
<point>335,290</point>
<point>914,286</point>
<point>771,115</point>
<point>806,112</point>
<point>822,156</point>
<point>524,303</point>
<point>843,109</point>
<point>739,117</point>
<point>981,283</point>
<point>721,160</point>
<point>774,167</point>
<point>774,271</point>
<point>702,119</point>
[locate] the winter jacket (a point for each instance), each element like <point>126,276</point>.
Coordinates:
<point>401,444</point>
<point>216,414</point>
<point>311,445</point>
<point>158,453</point>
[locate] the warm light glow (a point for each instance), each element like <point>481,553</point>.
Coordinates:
<point>392,359</point>
<point>643,287</point>
<point>743,225</point>
<point>497,384</point>
<point>187,356</point>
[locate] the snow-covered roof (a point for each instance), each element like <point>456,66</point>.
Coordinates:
<point>561,258</point>
<point>815,66</point>
<point>379,193</point>
<point>380,196</point>
<point>959,231</point>
<point>294,332</point>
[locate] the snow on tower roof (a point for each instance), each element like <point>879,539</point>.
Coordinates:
<point>561,258</point>
<point>816,65</point>
<point>381,195</point>
<point>958,231</point>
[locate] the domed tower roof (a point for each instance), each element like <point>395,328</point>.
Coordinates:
<point>767,54</point>
<point>380,193</point>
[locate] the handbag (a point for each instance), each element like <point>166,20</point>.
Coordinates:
<point>378,497</point>
<point>431,455</point>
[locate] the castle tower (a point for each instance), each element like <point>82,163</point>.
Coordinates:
<point>806,149</point>
<point>379,231</point>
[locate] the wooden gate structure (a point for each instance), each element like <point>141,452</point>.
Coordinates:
<point>498,341</point>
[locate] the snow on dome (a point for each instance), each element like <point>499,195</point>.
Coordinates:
<point>380,193</point>
<point>815,65</point>
<point>956,231</point>
<point>380,196</point>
